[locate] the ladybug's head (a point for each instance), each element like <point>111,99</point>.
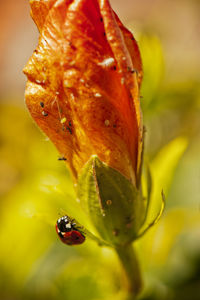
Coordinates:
<point>64,224</point>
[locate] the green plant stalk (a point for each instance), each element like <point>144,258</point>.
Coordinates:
<point>130,265</point>
<point>117,210</point>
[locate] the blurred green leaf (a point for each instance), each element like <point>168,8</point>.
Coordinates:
<point>163,167</point>
<point>153,65</point>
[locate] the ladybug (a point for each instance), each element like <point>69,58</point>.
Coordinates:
<point>68,232</point>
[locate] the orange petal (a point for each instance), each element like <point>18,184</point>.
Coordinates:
<point>79,90</point>
<point>39,11</point>
<point>133,49</point>
<point>126,49</point>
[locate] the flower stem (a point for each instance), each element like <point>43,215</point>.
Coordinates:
<point>129,262</point>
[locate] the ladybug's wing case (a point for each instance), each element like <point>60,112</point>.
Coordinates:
<point>76,237</point>
<point>73,237</point>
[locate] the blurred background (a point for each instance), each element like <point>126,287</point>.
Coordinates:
<point>35,188</point>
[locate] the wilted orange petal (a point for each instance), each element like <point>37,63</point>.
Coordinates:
<point>39,11</point>
<point>132,47</point>
<point>79,89</point>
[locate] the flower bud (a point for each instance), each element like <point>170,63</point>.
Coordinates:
<point>83,85</point>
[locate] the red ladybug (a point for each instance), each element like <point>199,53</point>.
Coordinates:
<point>68,233</point>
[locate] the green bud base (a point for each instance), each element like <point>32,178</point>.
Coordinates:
<point>114,205</point>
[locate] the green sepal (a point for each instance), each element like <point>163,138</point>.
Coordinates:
<point>149,191</point>
<point>156,219</point>
<point>114,205</point>
<point>145,227</point>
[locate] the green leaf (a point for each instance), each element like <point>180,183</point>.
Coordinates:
<point>163,168</point>
<point>113,204</point>
<point>153,65</point>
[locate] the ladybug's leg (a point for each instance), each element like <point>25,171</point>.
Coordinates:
<point>73,221</point>
<point>80,229</point>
